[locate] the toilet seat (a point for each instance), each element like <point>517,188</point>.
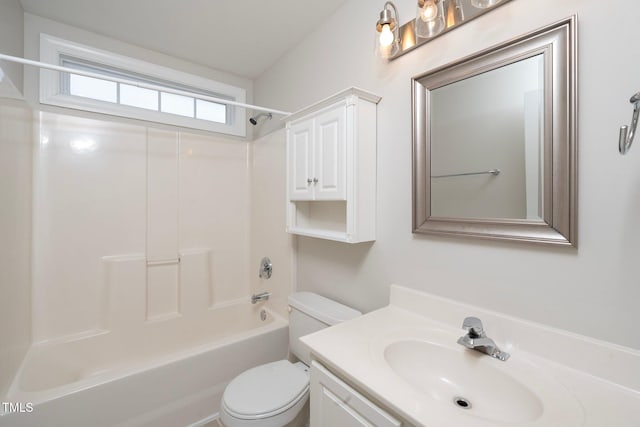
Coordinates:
<point>266,391</point>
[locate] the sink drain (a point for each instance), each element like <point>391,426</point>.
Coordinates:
<point>461,402</point>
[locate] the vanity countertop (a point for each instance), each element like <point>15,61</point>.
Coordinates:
<point>579,381</point>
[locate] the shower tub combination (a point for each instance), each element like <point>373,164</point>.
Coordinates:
<point>169,373</point>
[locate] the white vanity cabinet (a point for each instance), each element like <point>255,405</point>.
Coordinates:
<point>331,168</point>
<point>335,403</point>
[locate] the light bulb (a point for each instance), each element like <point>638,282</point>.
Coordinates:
<point>429,11</point>
<point>484,4</point>
<point>386,36</point>
<point>429,19</point>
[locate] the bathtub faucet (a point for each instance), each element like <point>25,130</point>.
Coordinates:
<point>263,296</point>
<point>266,268</point>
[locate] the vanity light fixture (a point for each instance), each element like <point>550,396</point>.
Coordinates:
<point>429,18</point>
<point>387,36</point>
<point>483,4</point>
<point>433,18</point>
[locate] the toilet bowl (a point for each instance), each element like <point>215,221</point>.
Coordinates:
<point>269,395</point>
<point>276,394</point>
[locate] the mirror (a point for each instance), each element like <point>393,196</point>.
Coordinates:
<point>494,142</point>
<point>486,144</point>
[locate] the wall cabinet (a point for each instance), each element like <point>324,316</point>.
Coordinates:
<point>331,168</point>
<point>335,403</point>
<point>318,157</point>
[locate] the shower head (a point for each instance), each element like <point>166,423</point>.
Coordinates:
<point>254,120</point>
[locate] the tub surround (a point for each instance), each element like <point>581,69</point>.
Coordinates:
<point>137,223</point>
<point>268,195</point>
<point>590,383</point>
<point>147,230</point>
<point>15,229</point>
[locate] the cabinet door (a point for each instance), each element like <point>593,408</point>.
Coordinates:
<point>300,161</point>
<point>330,140</point>
<point>334,403</point>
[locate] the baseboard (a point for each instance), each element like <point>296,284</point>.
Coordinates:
<point>211,418</point>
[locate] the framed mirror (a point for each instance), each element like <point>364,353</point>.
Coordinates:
<point>494,142</point>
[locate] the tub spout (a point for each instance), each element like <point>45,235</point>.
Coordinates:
<point>263,296</point>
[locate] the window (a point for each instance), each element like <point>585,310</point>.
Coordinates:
<point>177,98</point>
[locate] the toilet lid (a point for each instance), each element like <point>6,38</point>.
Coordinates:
<point>265,390</point>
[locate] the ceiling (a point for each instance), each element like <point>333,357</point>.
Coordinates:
<point>243,37</point>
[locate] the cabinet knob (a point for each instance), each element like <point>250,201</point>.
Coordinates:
<point>309,180</point>
<point>315,180</point>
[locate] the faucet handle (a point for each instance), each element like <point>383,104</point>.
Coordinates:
<point>266,268</point>
<point>474,326</point>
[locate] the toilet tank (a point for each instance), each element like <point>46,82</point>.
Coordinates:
<point>309,313</point>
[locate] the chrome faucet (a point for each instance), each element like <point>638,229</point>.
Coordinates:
<point>263,296</point>
<point>476,339</point>
<point>266,268</point>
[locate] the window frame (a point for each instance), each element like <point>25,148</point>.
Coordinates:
<point>54,50</point>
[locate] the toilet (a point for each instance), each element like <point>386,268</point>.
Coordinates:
<point>276,394</point>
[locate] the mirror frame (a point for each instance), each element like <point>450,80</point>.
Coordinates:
<point>557,43</point>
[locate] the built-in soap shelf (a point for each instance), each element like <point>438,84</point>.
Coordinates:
<point>143,291</point>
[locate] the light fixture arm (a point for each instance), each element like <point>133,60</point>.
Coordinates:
<point>386,18</point>
<point>395,10</point>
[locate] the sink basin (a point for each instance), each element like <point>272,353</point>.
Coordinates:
<point>462,387</point>
<point>467,380</point>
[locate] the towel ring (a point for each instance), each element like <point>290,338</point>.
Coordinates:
<point>628,132</point>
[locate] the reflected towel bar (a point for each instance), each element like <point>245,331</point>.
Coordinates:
<point>494,172</point>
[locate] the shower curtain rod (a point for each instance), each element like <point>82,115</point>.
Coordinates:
<point>139,84</point>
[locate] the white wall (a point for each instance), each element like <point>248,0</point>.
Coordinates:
<point>15,229</point>
<point>11,43</point>
<point>593,290</point>
<point>268,238</point>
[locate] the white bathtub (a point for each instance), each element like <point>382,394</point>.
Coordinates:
<point>166,373</point>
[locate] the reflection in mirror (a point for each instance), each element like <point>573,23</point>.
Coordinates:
<point>486,144</point>
<point>494,142</point>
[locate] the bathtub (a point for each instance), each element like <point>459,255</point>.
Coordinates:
<point>163,373</point>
